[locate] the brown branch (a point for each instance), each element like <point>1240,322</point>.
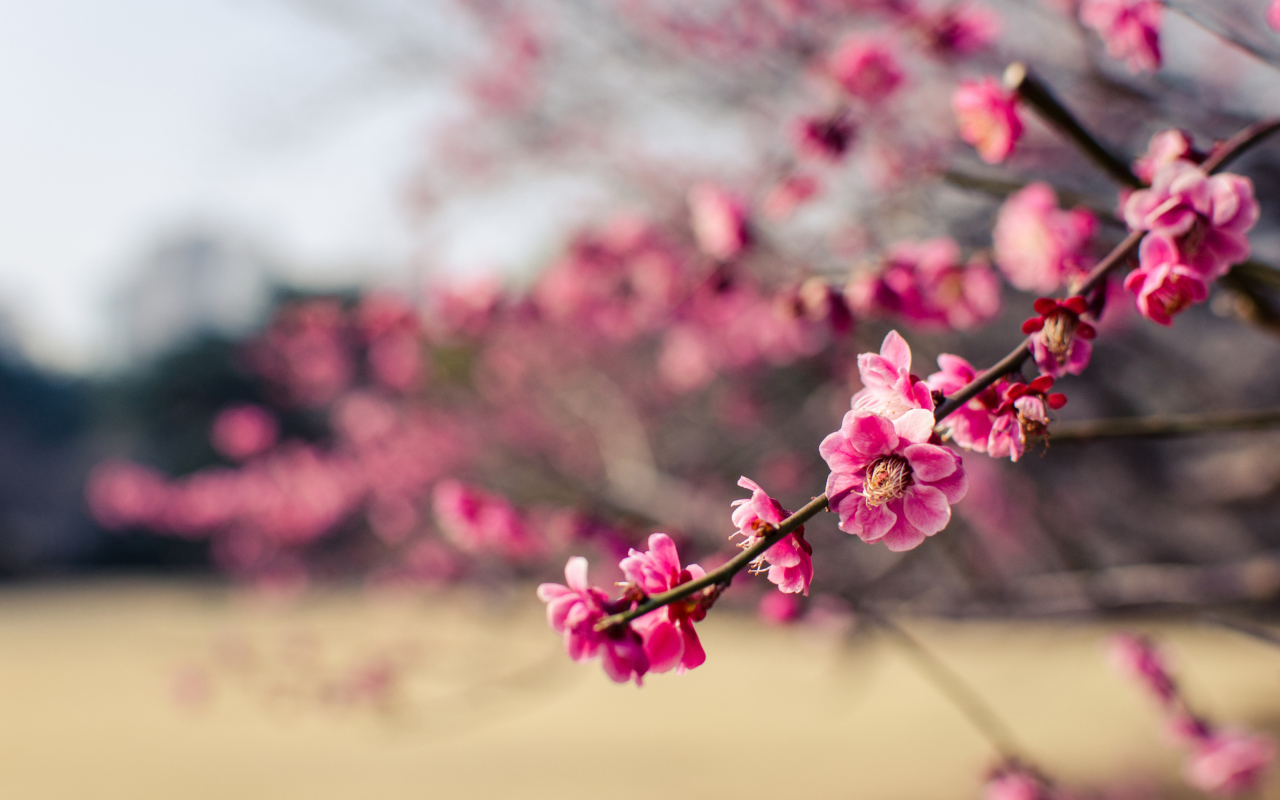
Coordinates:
<point>1163,425</point>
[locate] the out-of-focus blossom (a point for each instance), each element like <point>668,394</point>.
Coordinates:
<point>1165,148</point>
<point>1138,658</point>
<point>574,609</point>
<point>719,221</point>
<point>122,494</point>
<point>481,522</point>
<point>958,30</point>
<point>987,116</point>
<point>1229,762</point>
<point>925,284</point>
<point>969,425</point>
<point>1130,29</point>
<point>865,67</point>
<point>887,483</point>
<point>1022,416</point>
<point>242,431</point>
<point>670,640</point>
<point>790,560</point>
<point>888,387</point>
<point>826,138</point>
<point>1038,245</point>
<point>776,608</point>
<point>1060,340</point>
<point>1204,219</point>
<point>1013,782</point>
<point>789,194</point>
<point>1273,15</point>
<point>306,352</point>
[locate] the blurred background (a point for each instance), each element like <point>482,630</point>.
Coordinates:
<point>329,329</point>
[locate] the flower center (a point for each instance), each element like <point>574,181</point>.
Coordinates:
<point>887,478</point>
<point>1058,331</point>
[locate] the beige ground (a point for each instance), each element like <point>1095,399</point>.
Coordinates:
<point>160,691</point>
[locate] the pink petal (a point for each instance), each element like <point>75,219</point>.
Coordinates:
<point>870,434</point>
<point>914,426</point>
<point>929,462</point>
<point>694,655</point>
<point>575,573</point>
<point>926,508</point>
<point>896,351</point>
<point>903,536</point>
<point>663,644</point>
<point>869,523</point>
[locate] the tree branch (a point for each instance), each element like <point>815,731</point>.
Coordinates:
<point>1163,425</point>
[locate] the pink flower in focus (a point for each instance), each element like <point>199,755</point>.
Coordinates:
<point>925,284</point>
<point>790,559</point>
<point>970,425</point>
<point>668,634</point>
<point>1230,762</point>
<point>719,221</point>
<point>1022,416</point>
<point>1138,658</point>
<point>865,67</point>
<point>1165,290</point>
<point>1130,29</point>
<point>987,116</point>
<point>887,483</point>
<point>242,431</point>
<point>825,138</point>
<point>1205,219</point>
<point>888,387</point>
<point>1037,245</point>
<point>574,609</point>
<point>1165,148</point>
<point>1060,341</point>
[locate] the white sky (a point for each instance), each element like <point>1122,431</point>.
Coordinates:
<point>123,120</point>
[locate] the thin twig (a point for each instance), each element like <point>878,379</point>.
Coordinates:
<point>1035,94</point>
<point>1164,425</point>
<point>961,694</point>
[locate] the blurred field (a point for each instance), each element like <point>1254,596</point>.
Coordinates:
<point>168,691</point>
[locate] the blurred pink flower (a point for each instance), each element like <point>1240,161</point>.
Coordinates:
<point>122,494</point>
<point>1060,340</point>
<point>1204,218</point>
<point>1138,658</point>
<point>719,221</point>
<point>239,432</point>
<point>825,138</point>
<point>865,67</point>
<point>789,194</point>
<point>668,634</point>
<point>776,608</point>
<point>1230,762</point>
<point>959,30</point>
<point>1015,783</point>
<point>477,521</point>
<point>1273,15</point>
<point>1130,29</point>
<point>1037,245</point>
<point>987,116</point>
<point>925,284</point>
<point>888,387</point>
<point>887,483</point>
<point>1165,148</point>
<point>790,559</point>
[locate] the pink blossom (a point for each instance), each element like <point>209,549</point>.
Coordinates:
<point>1015,783</point>
<point>1204,219</point>
<point>1137,657</point>
<point>1273,15</point>
<point>480,522</point>
<point>789,194</point>
<point>888,483</point>
<point>668,634</point>
<point>242,431</point>
<point>776,608</point>
<point>1165,290</point>
<point>1165,148</point>
<point>790,559</point>
<point>888,387</point>
<point>988,118</point>
<point>1037,245</point>
<point>865,67</point>
<point>1060,340</point>
<point>1130,29</point>
<point>122,494</point>
<point>959,30</point>
<point>825,138</point>
<point>970,425</point>
<point>574,609</point>
<point>719,221</point>
<point>1022,416</point>
<point>1230,762</point>
<point>925,284</point>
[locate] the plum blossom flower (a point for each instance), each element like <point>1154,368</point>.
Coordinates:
<point>959,30</point>
<point>1060,342</point>
<point>242,431</point>
<point>1229,762</point>
<point>970,425</point>
<point>865,67</point>
<point>789,194</point>
<point>790,559</point>
<point>1206,218</point>
<point>888,387</point>
<point>669,638</point>
<point>925,284</point>
<point>824,138</point>
<point>1138,658</point>
<point>1273,15</point>
<point>719,221</point>
<point>987,116</point>
<point>1165,148</point>
<point>1022,416</point>
<point>888,483</point>
<point>1130,29</point>
<point>574,609</point>
<point>1015,782</point>
<point>1038,245</point>
<point>1166,289</point>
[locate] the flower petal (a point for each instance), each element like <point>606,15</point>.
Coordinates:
<point>926,508</point>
